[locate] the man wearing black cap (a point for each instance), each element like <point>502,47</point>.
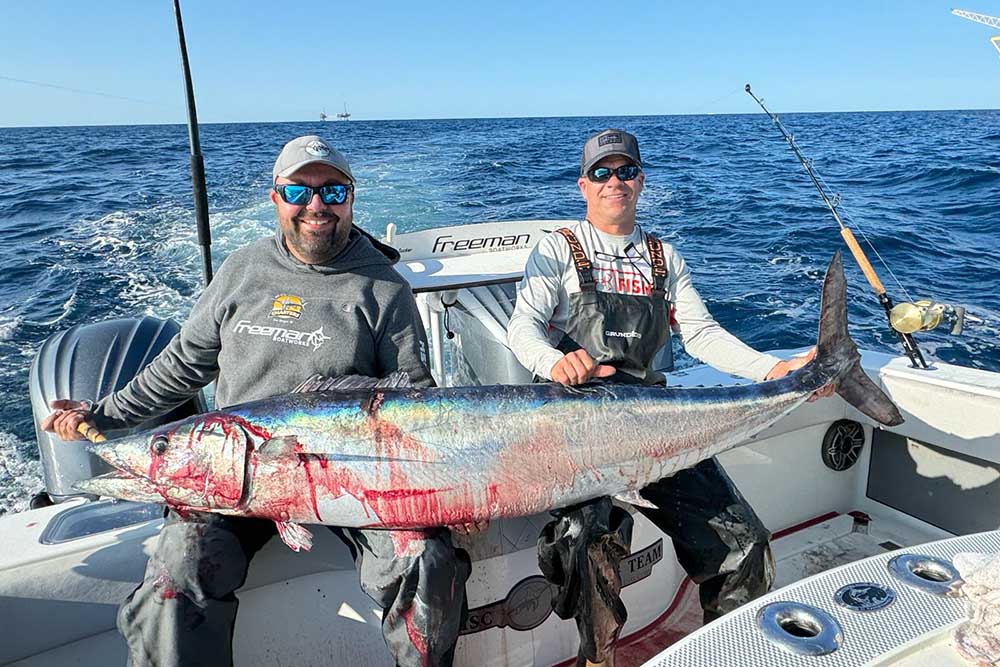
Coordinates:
<point>321,296</point>
<point>599,300</point>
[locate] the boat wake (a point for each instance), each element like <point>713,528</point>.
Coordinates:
<point>20,474</point>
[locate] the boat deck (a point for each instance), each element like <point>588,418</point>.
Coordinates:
<point>800,551</point>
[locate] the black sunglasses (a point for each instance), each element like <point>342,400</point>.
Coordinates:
<point>625,172</point>
<point>300,195</point>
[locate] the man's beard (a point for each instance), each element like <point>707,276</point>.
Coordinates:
<point>314,246</point>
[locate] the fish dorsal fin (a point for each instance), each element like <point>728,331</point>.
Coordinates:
<point>395,380</point>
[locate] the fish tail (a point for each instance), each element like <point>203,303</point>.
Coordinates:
<point>837,355</point>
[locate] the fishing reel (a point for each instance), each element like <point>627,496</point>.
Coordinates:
<point>925,315</point>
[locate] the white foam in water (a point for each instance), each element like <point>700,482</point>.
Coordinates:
<point>166,258</point>
<point>232,230</point>
<point>20,476</point>
<point>9,326</point>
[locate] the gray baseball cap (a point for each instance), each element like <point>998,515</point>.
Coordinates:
<point>309,149</point>
<point>609,142</point>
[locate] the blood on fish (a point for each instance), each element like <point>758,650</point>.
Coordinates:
<point>294,492</point>
<point>394,495</point>
<point>384,487</point>
<point>297,490</point>
<point>310,482</point>
<point>546,449</point>
<point>225,490</point>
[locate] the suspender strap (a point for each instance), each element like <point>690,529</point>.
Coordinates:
<point>658,263</point>
<point>584,269</point>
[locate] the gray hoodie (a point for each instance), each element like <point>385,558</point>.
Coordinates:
<point>268,321</point>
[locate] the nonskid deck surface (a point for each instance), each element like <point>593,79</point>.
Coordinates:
<point>893,609</point>
<point>801,551</point>
<point>841,539</point>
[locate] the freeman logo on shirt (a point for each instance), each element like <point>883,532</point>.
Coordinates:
<point>287,307</point>
<point>312,339</point>
<point>623,334</point>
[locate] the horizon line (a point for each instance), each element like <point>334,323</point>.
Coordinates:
<point>406,120</point>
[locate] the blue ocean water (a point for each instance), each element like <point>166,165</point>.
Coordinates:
<point>97,222</point>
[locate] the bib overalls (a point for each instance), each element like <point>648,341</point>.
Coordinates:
<point>719,540</point>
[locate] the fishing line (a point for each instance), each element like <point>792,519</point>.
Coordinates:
<point>860,227</point>
<point>715,101</point>
<point>79,90</point>
<point>904,318</point>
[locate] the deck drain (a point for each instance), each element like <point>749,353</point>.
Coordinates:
<point>925,573</point>
<point>800,628</point>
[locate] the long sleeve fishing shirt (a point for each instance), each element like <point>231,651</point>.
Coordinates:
<point>620,264</point>
<point>269,321</point>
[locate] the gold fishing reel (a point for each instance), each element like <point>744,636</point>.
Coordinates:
<point>925,315</point>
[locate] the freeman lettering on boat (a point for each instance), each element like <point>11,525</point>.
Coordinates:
<point>441,243</point>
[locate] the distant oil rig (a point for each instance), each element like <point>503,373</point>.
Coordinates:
<point>340,116</point>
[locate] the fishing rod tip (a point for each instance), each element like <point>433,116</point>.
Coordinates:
<point>747,88</point>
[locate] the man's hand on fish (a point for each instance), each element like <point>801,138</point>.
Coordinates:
<point>577,367</point>
<point>71,420</point>
<point>783,368</point>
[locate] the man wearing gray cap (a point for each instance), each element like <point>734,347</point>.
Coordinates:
<point>320,297</point>
<point>598,301</point>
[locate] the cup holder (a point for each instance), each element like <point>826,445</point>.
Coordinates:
<point>931,572</point>
<point>926,573</point>
<point>800,628</point>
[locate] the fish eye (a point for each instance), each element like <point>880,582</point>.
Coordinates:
<point>159,444</point>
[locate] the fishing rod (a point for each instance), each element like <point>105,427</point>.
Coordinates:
<point>904,318</point>
<point>197,161</point>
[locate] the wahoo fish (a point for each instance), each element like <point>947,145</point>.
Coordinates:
<point>358,452</point>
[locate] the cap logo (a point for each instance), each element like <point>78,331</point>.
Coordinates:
<point>611,138</point>
<point>317,149</point>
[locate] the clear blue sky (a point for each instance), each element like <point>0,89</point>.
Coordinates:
<point>268,61</point>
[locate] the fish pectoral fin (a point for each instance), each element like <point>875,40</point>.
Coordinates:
<point>285,444</point>
<point>294,535</point>
<point>633,498</point>
<point>394,380</point>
